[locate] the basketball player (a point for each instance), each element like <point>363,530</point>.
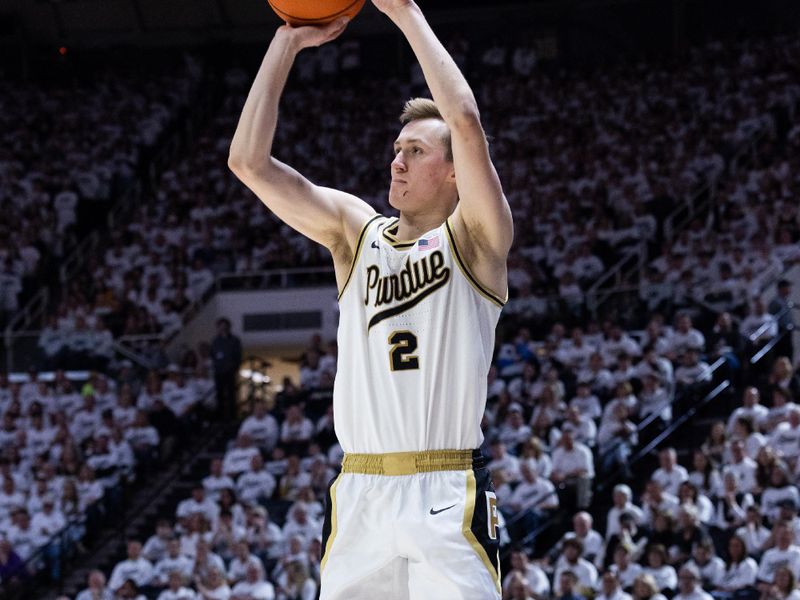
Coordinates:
<point>413,514</point>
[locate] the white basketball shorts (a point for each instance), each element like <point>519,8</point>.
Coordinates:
<point>411,526</point>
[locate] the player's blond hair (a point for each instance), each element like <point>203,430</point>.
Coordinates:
<point>425,108</point>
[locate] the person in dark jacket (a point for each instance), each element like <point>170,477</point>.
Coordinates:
<point>226,352</point>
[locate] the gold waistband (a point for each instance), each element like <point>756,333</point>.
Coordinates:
<point>407,463</point>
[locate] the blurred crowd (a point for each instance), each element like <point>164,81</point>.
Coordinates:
<point>67,150</point>
<point>593,163</point>
<point>564,413</point>
<point>70,448</point>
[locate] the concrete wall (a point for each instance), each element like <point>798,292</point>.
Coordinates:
<point>238,305</point>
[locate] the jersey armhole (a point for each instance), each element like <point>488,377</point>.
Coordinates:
<point>462,265</point>
<point>357,253</point>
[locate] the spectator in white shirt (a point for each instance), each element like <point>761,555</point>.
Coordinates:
<point>257,484</point>
<point>213,586</point>
<point>750,409</point>
<point>689,585</point>
<point>502,460</point>
<point>177,590</point>
<point>596,375</point>
<point>198,503</point>
<point>143,438</point>
<point>625,569</point>
<point>261,427</point>
<point>572,560</point>
<point>710,567</point>
<point>669,474</point>
<point>692,369</point>
<point>237,459</point>
<point>610,588</point>
<point>753,532</point>
<point>621,498</point>
<point>217,481</point>
<point>742,466</point>
<point>685,337</point>
<point>656,501</point>
<point>583,428</point>
<point>96,587</point>
<point>778,491</point>
<point>253,586</point>
<point>242,562</point>
<point>784,586</point>
<point>593,543</point>
<point>785,438</point>
<point>656,565</point>
<point>48,521</point>
<point>573,468</point>
<point>296,428</point>
<point>784,553</point>
<point>135,567</point>
<point>514,431</point>
<point>740,571</point>
<point>585,402</point>
<point>532,492</point>
<point>299,523</point>
<point>537,581</point>
<point>173,562</point>
<point>155,548</point>
<point>759,326</point>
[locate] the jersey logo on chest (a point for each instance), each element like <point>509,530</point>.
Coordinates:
<point>406,288</point>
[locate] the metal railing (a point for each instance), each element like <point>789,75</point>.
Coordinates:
<point>33,312</point>
<point>600,291</point>
<point>74,261</point>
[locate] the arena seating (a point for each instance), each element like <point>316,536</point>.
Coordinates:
<point>68,149</point>
<point>575,410</point>
<point>606,174</point>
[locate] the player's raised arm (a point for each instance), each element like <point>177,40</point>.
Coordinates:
<point>482,211</point>
<point>325,215</point>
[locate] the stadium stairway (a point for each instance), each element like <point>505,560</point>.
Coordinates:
<point>155,501</point>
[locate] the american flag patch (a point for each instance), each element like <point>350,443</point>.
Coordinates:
<point>429,244</point>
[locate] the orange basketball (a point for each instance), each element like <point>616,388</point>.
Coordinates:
<point>315,12</point>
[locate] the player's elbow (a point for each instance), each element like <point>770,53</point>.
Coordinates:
<point>245,168</point>
<point>239,164</point>
<point>466,114</point>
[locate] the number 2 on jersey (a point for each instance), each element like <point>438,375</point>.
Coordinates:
<point>401,356</point>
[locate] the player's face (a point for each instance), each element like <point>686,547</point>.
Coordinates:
<point>421,172</point>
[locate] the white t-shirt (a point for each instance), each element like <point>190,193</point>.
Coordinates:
<point>580,457</point>
<point>264,432</point>
<point>697,594</point>
<point>261,590</point>
<point>583,569</point>
<point>140,571</point>
<point>774,558</point>
<point>741,575</point>
<point>533,494</point>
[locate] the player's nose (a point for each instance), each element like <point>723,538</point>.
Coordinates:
<point>398,164</point>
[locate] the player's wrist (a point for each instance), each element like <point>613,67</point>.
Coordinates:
<point>287,37</point>
<point>401,10</point>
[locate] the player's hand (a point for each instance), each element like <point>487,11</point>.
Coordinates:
<point>313,35</point>
<point>389,6</point>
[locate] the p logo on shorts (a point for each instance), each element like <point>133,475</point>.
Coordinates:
<point>491,512</point>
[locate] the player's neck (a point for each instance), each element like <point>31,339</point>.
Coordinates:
<point>412,226</point>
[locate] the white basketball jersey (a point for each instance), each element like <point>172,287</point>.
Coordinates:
<point>416,335</point>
